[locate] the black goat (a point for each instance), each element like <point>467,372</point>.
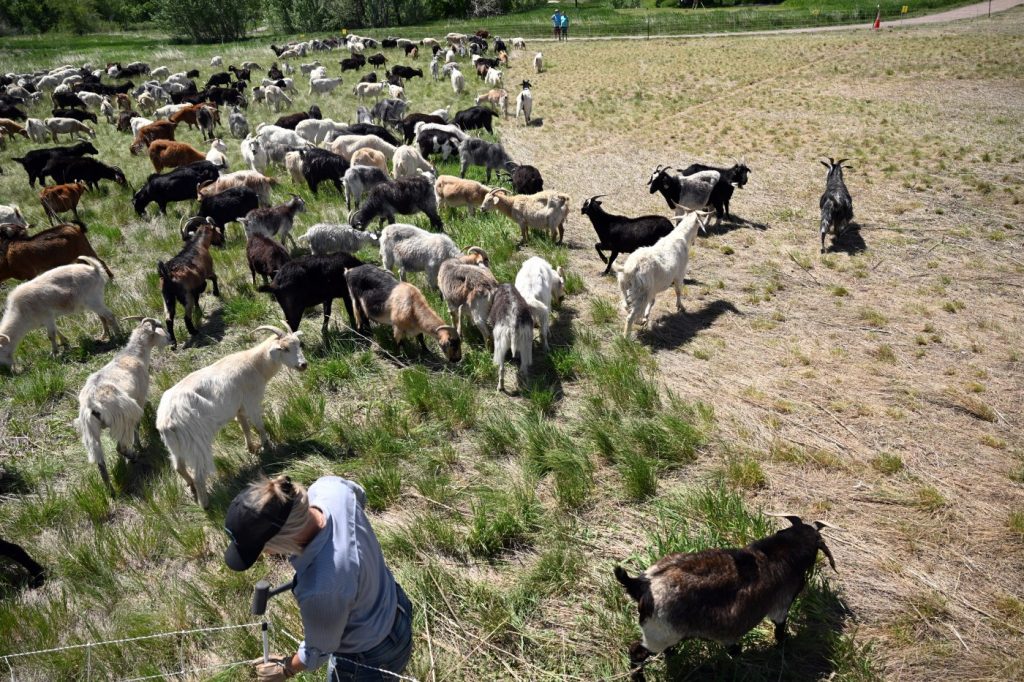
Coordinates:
<point>836,203</point>
<point>309,281</point>
<point>474,118</point>
<point>388,111</point>
<point>721,594</point>
<point>620,234</point>
<point>124,120</point>
<point>78,115</point>
<point>12,112</point>
<point>221,78</point>
<point>389,43</point>
<point>728,180</point>
<point>692,193</point>
<point>369,78</point>
<point>18,555</point>
<point>370,129</point>
<point>321,165</point>
<point>36,160</point>
<point>408,124</point>
<point>476,152</point>
<point>353,63</point>
<point>499,46</point>
<point>228,206</point>
<point>289,121</point>
<point>183,279</point>
<point>402,195</point>
<point>406,72</point>
<point>274,73</point>
<point>240,74</point>
<point>376,60</point>
<point>67,100</point>
<point>525,179</point>
<point>178,185</point>
<point>65,169</point>
<point>266,257</point>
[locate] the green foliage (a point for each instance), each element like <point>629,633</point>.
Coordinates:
<point>208,21</point>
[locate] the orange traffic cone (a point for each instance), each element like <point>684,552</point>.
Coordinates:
<point>878,19</point>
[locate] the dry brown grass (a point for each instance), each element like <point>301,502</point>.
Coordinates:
<point>822,383</point>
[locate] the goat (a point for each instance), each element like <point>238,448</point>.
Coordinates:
<point>78,115</point>
<point>64,290</point>
<point>728,180</point>
<point>114,396</point>
<point>192,411</point>
<point>525,179</point>
<point>370,157</point>
<point>275,220</point>
<point>477,152</point>
<point>12,128</point>
<point>540,285</point>
<point>475,118</point>
<point>183,279</point>
<point>467,284</point>
<point>158,130</point>
<point>411,249</point>
<point>218,153</point>
<point>408,124</point>
<point>359,180</point>
<point>58,199</point>
<point>524,102</point>
<point>328,238</point>
<point>620,234</point>
<point>320,165</point>
<point>178,185</point>
<point>18,555</point>
<point>497,97</point>
<point>836,203</point>
<point>230,205</point>
<point>452,191</point>
<point>309,281</point>
<point>370,129</point>
<point>721,594</point>
<point>266,257</point>
<point>11,215</point>
<point>69,127</point>
<point>511,324</point>
<point>254,180</point>
<point>345,145</point>
<point>36,160</point>
<point>683,193</point>
<point>378,297</point>
<point>85,169</point>
<point>237,123</point>
<point>406,72</point>
<point>545,210</point>
<point>652,269</point>
<point>401,195</point>
<point>538,62</point>
<point>408,162</point>
<point>323,85</point>
<point>389,111</point>
<point>23,257</point>
<point>37,130</point>
<point>170,154</point>
<point>254,154</point>
<point>458,81</point>
<point>293,164</point>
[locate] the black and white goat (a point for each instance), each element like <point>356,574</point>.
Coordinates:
<point>836,203</point>
<point>728,180</point>
<point>404,196</point>
<point>683,193</point>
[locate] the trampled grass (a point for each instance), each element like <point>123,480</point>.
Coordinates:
<point>503,515</point>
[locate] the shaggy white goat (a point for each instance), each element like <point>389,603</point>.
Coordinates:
<point>458,82</point>
<point>540,285</point>
<point>408,162</point>
<point>512,330</point>
<point>328,238</point>
<point>323,85</point>
<point>65,290</point>
<point>114,396</point>
<point>68,126</point>
<point>193,410</point>
<point>411,249</point>
<point>253,154</point>
<point>37,130</point>
<point>218,154</point>
<point>346,145</point>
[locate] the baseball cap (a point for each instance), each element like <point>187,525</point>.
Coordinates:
<point>250,527</point>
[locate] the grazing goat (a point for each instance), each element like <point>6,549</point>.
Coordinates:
<point>320,165</point>
<point>23,257</point>
<point>309,281</point>
<point>328,238</point>
<point>653,269</point>
<point>836,203</point>
<point>728,180</point>
<point>169,154</point>
<point>192,411</point>
<point>67,126</point>
<point>114,396</point>
<point>408,162</point>
<point>254,180</point>
<point>543,210</point>
<point>525,179</point>
<point>458,81</point>
<point>265,257</point>
<point>370,157</point>
<point>683,193</point>
<point>275,221</point>
<point>511,324</point>
<point>231,205</point>
<point>359,180</point>
<point>36,160</point>
<point>401,195</point>
<point>82,169</point>
<point>178,185</point>
<point>477,152</point>
<point>158,130</point>
<point>721,594</point>
<point>237,123</point>
<point>58,199</point>
<point>11,215</point>
<point>346,145</point>
<point>475,118</point>
<point>411,249</point>
<point>64,290</point>
<point>497,97</point>
<point>323,85</point>
<point>467,284</point>
<point>452,191</point>
<point>620,234</point>
<point>540,285</point>
<point>183,279</point>
<point>378,297</point>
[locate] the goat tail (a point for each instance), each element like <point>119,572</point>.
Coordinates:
<point>522,345</point>
<point>635,587</point>
<point>827,210</point>
<point>89,427</point>
<point>97,265</point>
<point>538,311</point>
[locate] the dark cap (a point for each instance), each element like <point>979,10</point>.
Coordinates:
<point>251,527</point>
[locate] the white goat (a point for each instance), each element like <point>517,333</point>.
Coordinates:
<point>11,214</point>
<point>37,130</point>
<point>65,290</point>
<point>408,161</point>
<point>218,154</point>
<point>323,85</point>
<point>138,123</point>
<point>543,210</point>
<point>68,126</point>
<point>107,110</point>
<point>653,269</point>
<point>114,396</point>
<point>346,145</point>
<point>274,96</point>
<point>411,249</point>
<point>217,60</point>
<point>193,410</point>
<point>316,130</point>
<point>458,82</point>
<point>293,164</point>
<point>493,77</point>
<point>276,135</point>
<point>538,62</point>
<point>364,90</point>
<point>328,238</point>
<point>541,286</point>
<point>512,330</point>
<point>524,104</point>
<point>253,153</point>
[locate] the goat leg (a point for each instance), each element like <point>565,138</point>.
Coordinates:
<point>327,317</point>
<point>780,632</point>
<point>600,254</point>
<point>638,654</point>
<point>216,288</point>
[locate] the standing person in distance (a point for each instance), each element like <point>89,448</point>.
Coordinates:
<point>556,23</point>
<point>352,608</point>
<point>564,21</point>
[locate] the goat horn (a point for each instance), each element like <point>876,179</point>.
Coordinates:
<point>132,318</point>
<point>792,518</point>
<point>4,337</point>
<point>840,161</point>
<point>267,327</point>
<point>823,524</point>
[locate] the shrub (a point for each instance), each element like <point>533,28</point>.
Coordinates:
<point>208,21</point>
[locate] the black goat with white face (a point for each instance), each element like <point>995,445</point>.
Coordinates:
<point>721,594</point>
<point>836,203</point>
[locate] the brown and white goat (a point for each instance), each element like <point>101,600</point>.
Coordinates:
<point>183,279</point>
<point>58,199</point>
<point>721,594</point>
<point>467,283</point>
<point>157,130</point>
<point>254,180</point>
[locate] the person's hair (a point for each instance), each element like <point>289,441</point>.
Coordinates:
<point>260,493</point>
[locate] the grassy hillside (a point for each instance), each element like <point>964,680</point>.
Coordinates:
<point>876,387</point>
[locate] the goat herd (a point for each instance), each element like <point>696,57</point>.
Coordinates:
<point>731,590</point>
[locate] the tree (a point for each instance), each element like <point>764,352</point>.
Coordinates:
<point>208,21</point>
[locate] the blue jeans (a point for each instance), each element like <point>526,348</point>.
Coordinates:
<point>392,654</point>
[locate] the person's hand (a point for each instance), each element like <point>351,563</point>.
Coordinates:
<point>273,670</point>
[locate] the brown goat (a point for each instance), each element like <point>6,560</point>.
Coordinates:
<point>24,258</point>
<point>183,279</point>
<point>124,102</point>
<point>190,114</point>
<point>13,128</point>
<point>60,199</point>
<point>171,154</point>
<point>157,130</point>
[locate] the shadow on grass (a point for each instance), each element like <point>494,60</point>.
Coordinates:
<point>814,649</point>
<point>671,331</point>
<point>544,388</point>
<point>211,330</point>
<point>136,478</point>
<point>733,222</point>
<point>850,242</point>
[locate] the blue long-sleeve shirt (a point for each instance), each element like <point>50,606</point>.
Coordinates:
<point>346,592</point>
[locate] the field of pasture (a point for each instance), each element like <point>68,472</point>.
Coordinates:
<point>877,387</point>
